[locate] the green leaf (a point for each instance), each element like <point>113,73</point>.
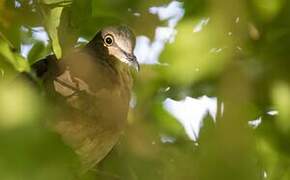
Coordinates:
<point>268,9</point>
<point>37,51</point>
<point>281,100</point>
<point>6,52</point>
<point>57,2</point>
<point>52,24</point>
<point>13,58</point>
<point>102,8</point>
<point>21,63</point>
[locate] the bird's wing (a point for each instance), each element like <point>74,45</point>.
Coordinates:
<point>93,103</point>
<point>42,70</point>
<point>45,67</point>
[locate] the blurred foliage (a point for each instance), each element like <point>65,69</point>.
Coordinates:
<point>240,56</point>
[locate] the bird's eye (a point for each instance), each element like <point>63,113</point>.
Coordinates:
<point>109,40</point>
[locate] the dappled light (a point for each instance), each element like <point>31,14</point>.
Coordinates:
<point>211,99</point>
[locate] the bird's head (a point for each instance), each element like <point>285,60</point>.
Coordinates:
<point>117,42</point>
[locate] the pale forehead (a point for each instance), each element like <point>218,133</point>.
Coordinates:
<point>123,35</point>
<point>120,31</point>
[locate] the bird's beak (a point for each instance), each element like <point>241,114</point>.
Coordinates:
<point>132,60</point>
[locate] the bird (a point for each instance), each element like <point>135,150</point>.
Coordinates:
<point>90,90</point>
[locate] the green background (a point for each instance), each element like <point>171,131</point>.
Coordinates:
<point>249,75</point>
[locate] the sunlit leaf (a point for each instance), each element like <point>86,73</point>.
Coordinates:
<point>6,51</point>
<point>194,55</point>
<point>268,9</point>
<point>52,23</point>
<point>57,2</point>
<point>19,105</point>
<point>13,58</point>
<point>281,99</point>
<point>37,52</point>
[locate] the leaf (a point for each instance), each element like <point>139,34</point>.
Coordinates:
<point>22,64</point>
<point>15,59</point>
<point>6,52</point>
<point>52,24</point>
<point>57,2</point>
<point>37,51</point>
<point>102,8</point>
<point>281,100</point>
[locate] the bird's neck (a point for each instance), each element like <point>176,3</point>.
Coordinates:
<point>120,70</point>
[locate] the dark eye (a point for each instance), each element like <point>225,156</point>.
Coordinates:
<point>109,40</point>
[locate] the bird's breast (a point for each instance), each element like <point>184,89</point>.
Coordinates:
<point>99,101</point>
<point>94,89</point>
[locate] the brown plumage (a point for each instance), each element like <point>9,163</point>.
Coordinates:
<point>92,87</point>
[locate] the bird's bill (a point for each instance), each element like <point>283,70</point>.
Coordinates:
<point>131,59</point>
<point>133,62</point>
